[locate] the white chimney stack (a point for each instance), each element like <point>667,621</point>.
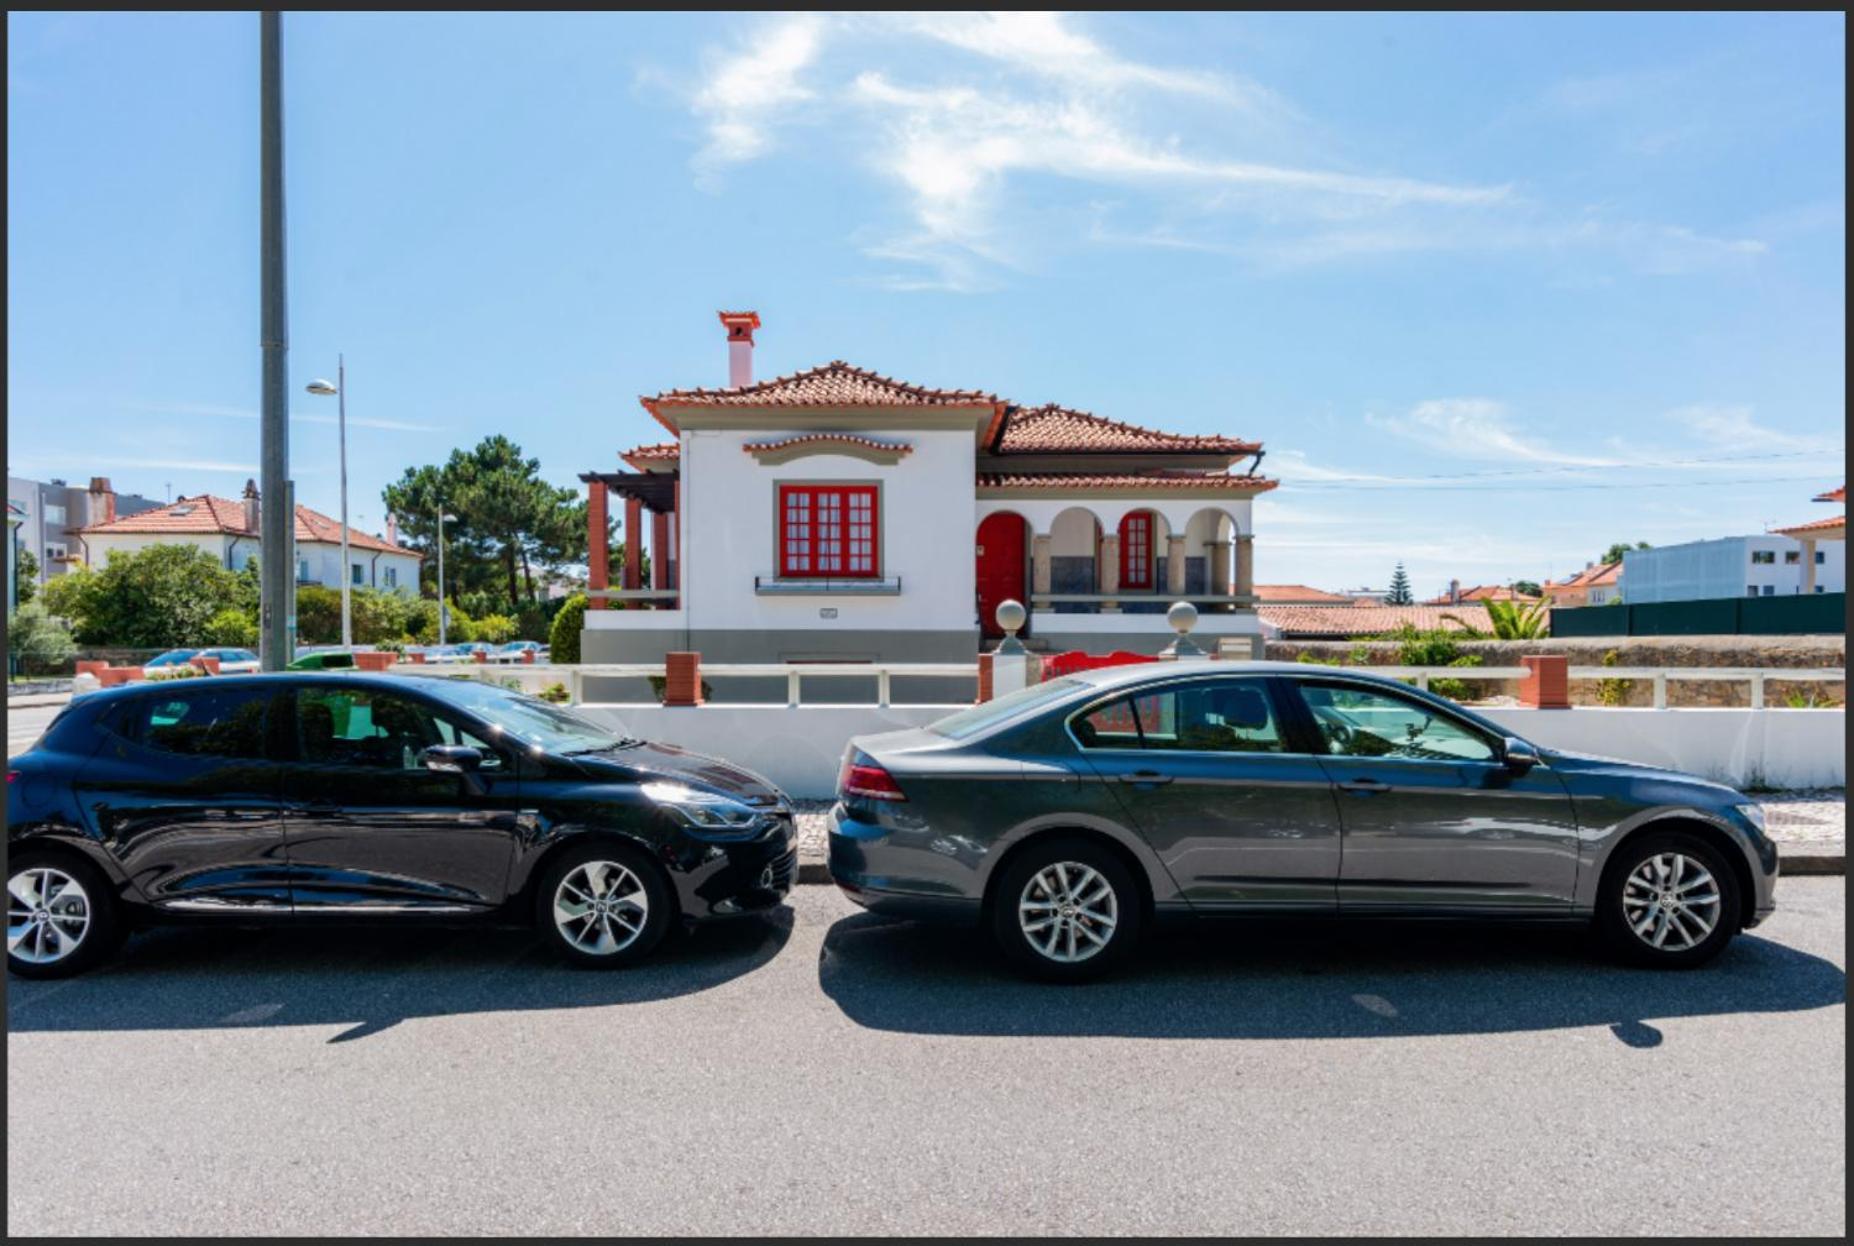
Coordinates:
<point>1454,592</point>
<point>392,530</point>
<point>740,327</point>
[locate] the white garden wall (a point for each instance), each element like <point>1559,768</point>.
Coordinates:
<point>799,747</point>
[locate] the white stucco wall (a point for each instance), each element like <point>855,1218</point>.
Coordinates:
<point>100,545</point>
<point>729,534</point>
<point>1724,568</point>
<point>1047,515</point>
<point>324,559</point>
<point>799,748</point>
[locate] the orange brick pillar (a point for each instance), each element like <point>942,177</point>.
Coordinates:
<point>660,551</point>
<point>90,666</point>
<point>682,683</point>
<point>633,543</point>
<point>209,665</point>
<point>598,552</point>
<point>984,678</point>
<point>1547,685</point>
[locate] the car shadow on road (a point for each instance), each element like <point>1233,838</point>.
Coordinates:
<point>368,980</point>
<point>1268,979</point>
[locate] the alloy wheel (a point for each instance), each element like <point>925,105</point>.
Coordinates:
<point>1671,902</point>
<point>47,915</point>
<point>601,907</point>
<point>1068,912</point>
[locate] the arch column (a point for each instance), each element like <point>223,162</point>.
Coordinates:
<point>1040,545</point>
<point>1107,570</point>
<point>1175,564</point>
<point>1218,574</point>
<point>1245,565</point>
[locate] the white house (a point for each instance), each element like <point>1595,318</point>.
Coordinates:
<point>1770,565</point>
<point>229,531</point>
<point>839,514</point>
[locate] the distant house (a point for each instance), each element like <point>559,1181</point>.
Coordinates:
<point>53,513</point>
<point>1457,595</point>
<point>1809,535</point>
<point>1770,565</point>
<point>1298,595</point>
<point>836,513</point>
<point>1598,584</point>
<point>229,531</point>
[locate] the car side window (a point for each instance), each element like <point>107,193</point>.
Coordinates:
<point>1359,722</point>
<point>1206,716</point>
<point>202,722</point>
<point>367,727</point>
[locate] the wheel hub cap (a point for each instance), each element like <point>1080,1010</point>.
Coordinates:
<point>1068,912</point>
<point>601,907</point>
<point>1671,901</point>
<point>48,915</point>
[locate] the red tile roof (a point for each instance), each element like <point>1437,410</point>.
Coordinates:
<point>1838,494</point>
<point>1052,429</point>
<point>1357,620</point>
<point>1285,594</point>
<point>207,514</point>
<point>1481,592</point>
<point>1814,528</point>
<point>836,384</point>
<point>1589,577</point>
<point>662,452</point>
<point>1140,481</point>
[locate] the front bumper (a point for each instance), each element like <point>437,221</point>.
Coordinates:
<point>722,879</point>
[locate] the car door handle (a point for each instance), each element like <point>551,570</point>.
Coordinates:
<point>1146,778</point>
<point>1365,787</point>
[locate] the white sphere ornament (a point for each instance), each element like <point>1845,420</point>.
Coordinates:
<point>1011,616</point>
<point>1182,617</point>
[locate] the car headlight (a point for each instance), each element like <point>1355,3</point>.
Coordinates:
<point>703,812</point>
<point>1753,813</point>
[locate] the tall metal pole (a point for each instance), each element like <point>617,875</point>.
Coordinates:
<point>277,627</point>
<point>443,614</point>
<point>347,573</point>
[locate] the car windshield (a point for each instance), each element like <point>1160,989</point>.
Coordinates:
<point>533,721</point>
<point>968,723</point>
<point>173,657</point>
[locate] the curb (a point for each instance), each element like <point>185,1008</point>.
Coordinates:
<point>816,873</point>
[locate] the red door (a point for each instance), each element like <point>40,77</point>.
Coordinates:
<point>1000,568</point>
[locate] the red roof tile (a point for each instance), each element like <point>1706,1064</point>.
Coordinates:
<point>1481,592</point>
<point>1358,620</point>
<point>1052,429</point>
<point>1140,481</point>
<point>1285,594</point>
<point>836,384</point>
<point>662,452</point>
<point>1838,494</point>
<point>1815,528</point>
<point>207,514</point>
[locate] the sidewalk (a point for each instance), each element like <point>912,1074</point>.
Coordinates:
<point>1810,828</point>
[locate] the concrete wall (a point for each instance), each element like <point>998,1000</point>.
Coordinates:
<point>800,748</point>
<point>1724,568</point>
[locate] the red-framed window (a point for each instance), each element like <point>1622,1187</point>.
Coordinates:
<point>828,530</point>
<point>1136,550</point>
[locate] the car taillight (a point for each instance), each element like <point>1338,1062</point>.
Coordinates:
<point>12,776</point>
<point>863,777</point>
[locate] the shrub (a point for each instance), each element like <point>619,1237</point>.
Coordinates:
<point>1613,691</point>
<point>1434,648</point>
<point>563,637</point>
<point>232,628</point>
<point>318,615</point>
<point>175,672</point>
<point>495,628</point>
<point>156,598</point>
<point>36,642</point>
<point>557,693</point>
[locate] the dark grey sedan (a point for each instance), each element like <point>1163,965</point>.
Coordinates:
<point>1069,815</point>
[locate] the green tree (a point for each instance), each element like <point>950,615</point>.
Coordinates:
<point>318,615</point>
<point>1514,620</point>
<point>1615,552</point>
<point>563,639</point>
<point>1528,588</point>
<point>232,628</point>
<point>25,576</point>
<point>35,641</point>
<point>155,598</point>
<point>1399,594</point>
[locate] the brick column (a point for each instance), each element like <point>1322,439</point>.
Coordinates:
<point>659,551</point>
<point>1547,685</point>
<point>682,684</point>
<point>1175,566</point>
<point>1107,572</point>
<point>208,664</point>
<point>598,552</point>
<point>1245,565</point>
<point>984,678</point>
<point>633,543</point>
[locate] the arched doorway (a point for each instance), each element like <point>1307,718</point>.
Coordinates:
<point>1003,554</point>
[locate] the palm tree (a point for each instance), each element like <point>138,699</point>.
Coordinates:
<point>1514,620</point>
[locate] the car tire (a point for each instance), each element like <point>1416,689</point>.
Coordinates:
<point>81,902</point>
<point>604,905</point>
<point>1055,901</point>
<point>1653,906</point>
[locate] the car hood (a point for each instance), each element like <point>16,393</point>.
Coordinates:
<point>1593,769</point>
<point>645,761</point>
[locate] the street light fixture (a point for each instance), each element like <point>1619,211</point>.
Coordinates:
<point>444,611</point>
<point>340,390</point>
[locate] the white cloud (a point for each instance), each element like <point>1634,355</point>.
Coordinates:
<point>745,94</point>
<point>1733,428</point>
<point>1477,428</point>
<point>303,417</point>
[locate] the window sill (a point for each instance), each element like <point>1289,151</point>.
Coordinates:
<point>772,586</point>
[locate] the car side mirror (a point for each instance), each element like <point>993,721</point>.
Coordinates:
<point>452,758</point>
<point>1518,755</point>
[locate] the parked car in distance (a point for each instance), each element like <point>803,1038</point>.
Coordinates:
<point>167,663</point>
<point>1070,814</point>
<point>349,797</point>
<point>516,651</point>
<point>324,660</point>
<point>233,661</point>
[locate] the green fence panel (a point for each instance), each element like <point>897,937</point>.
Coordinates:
<point>1590,621</point>
<point>1818,614</point>
<point>1792,615</point>
<point>1713,616</point>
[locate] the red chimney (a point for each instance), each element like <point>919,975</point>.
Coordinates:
<point>740,327</point>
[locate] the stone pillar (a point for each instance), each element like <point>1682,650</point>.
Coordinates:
<point>1245,565</point>
<point>984,678</point>
<point>633,543</point>
<point>1175,565</point>
<point>1217,572</point>
<point>1107,572</point>
<point>1808,568</point>
<point>1547,685</point>
<point>1011,671</point>
<point>682,682</point>
<point>598,553</point>
<point>1040,546</point>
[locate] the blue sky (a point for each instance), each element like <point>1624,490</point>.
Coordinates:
<point>1494,291</point>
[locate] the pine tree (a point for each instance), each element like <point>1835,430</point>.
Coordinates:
<point>1399,594</point>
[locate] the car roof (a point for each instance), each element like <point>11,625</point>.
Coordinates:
<point>365,678</point>
<point>1142,672</point>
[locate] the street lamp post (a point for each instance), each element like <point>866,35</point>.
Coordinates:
<point>444,613</point>
<point>340,390</point>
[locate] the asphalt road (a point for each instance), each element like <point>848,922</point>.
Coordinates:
<point>834,1072</point>
<point>24,724</point>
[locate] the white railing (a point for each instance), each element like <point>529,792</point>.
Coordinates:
<point>1756,676</point>
<point>794,674</point>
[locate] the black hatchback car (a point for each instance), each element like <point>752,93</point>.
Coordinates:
<point>321,798</point>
